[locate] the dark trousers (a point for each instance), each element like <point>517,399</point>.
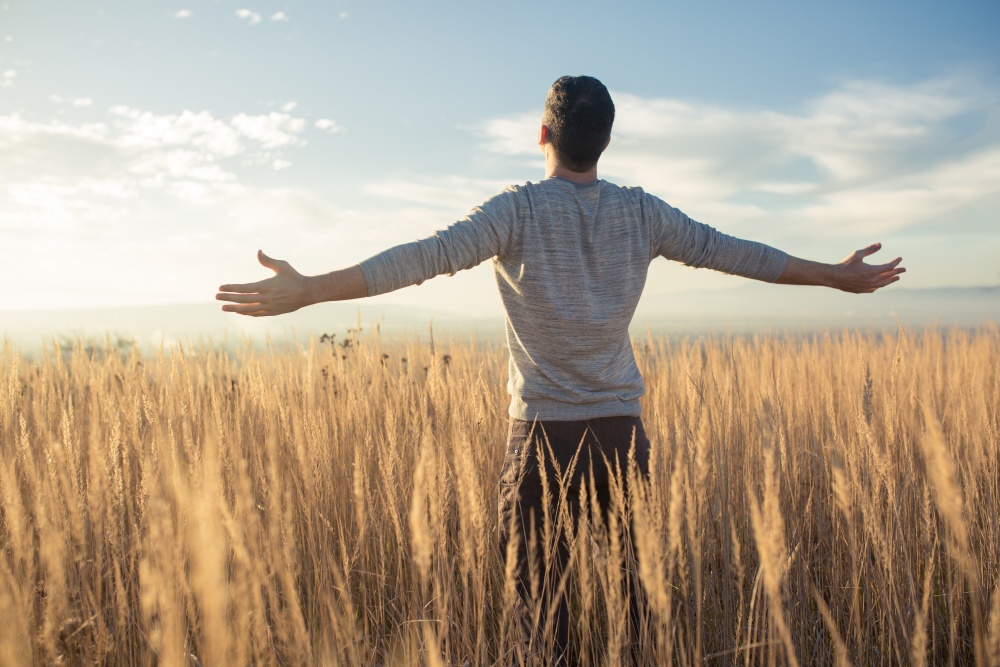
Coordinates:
<point>541,606</point>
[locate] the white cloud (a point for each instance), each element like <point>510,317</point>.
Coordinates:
<point>457,194</point>
<point>513,135</point>
<point>65,171</point>
<point>342,15</point>
<point>250,17</point>
<point>14,129</point>
<point>78,102</point>
<point>289,106</point>
<point>201,130</point>
<point>868,157</point>
<point>7,78</point>
<point>329,125</point>
<point>902,200</point>
<point>279,16</point>
<point>271,131</point>
<point>278,165</point>
<point>182,14</point>
<point>157,168</point>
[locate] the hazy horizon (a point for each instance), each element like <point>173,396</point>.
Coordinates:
<point>752,308</point>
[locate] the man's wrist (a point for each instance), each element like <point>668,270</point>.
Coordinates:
<point>313,290</point>
<point>826,275</point>
<point>832,275</point>
<point>807,272</point>
<point>338,285</point>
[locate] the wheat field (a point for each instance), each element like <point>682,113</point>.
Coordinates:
<point>813,499</point>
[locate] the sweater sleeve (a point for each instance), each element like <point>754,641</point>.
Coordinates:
<point>698,245</point>
<point>480,235</point>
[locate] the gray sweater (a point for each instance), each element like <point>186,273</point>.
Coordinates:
<point>570,262</point>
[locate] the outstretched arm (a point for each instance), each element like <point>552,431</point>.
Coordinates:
<point>288,290</point>
<point>850,275</point>
<point>477,237</point>
<point>698,245</point>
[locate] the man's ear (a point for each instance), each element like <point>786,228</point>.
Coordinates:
<point>543,135</point>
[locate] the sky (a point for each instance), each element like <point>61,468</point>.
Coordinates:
<point>148,149</point>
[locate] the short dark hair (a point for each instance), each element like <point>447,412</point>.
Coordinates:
<point>578,114</point>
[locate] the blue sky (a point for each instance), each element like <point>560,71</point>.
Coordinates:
<point>148,149</point>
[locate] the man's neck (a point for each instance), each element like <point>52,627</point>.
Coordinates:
<point>555,170</point>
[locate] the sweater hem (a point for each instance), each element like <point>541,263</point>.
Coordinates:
<point>558,411</point>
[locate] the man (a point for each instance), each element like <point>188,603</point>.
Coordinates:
<point>570,255</point>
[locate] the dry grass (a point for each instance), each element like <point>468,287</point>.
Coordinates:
<point>827,500</point>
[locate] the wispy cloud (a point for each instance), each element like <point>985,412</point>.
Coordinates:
<point>329,125</point>
<point>78,102</point>
<point>271,131</point>
<point>52,168</point>
<point>870,157</point>
<point>7,78</point>
<point>456,194</point>
<point>251,17</point>
<point>182,14</point>
<point>279,16</point>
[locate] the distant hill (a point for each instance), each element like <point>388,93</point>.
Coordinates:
<point>760,305</point>
<point>750,307</point>
<point>153,325</point>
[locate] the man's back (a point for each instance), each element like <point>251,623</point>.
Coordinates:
<point>570,279</point>
<point>570,263</point>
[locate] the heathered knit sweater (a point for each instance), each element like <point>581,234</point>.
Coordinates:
<point>570,262</point>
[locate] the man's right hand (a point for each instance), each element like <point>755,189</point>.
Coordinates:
<point>288,290</point>
<point>285,292</point>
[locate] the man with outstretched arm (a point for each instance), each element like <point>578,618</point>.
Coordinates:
<point>570,254</point>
